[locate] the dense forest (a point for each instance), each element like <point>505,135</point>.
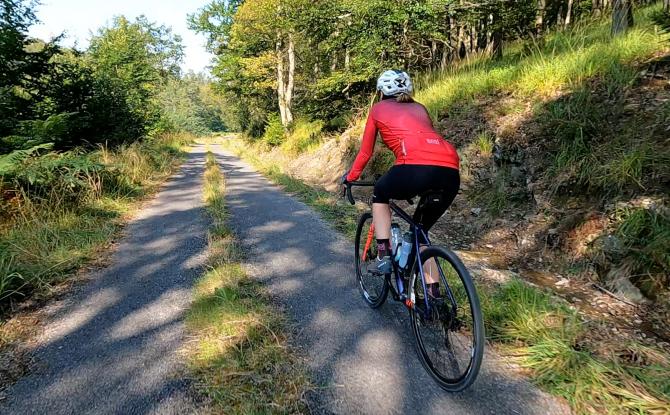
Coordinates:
<point>126,85</point>
<point>82,134</point>
<point>319,59</point>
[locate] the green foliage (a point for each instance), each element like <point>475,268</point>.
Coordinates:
<point>125,86</point>
<point>302,135</point>
<point>645,233</point>
<point>64,206</point>
<point>135,57</point>
<point>189,105</point>
<point>12,162</point>
<point>274,134</point>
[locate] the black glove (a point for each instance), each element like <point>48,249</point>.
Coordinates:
<point>344,180</point>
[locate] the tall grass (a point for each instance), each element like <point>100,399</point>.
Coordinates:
<point>550,340</point>
<point>564,60</point>
<point>239,351</point>
<point>61,208</point>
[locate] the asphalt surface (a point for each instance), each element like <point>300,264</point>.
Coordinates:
<point>362,360</point>
<point>112,347</point>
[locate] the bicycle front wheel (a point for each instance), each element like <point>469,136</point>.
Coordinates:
<point>372,284</point>
<point>449,331</point>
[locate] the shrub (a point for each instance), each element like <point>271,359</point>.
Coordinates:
<point>303,134</point>
<point>275,134</point>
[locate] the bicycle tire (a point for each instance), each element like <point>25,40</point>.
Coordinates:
<point>446,318</point>
<point>376,298</point>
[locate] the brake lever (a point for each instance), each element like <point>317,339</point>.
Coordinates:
<point>350,196</point>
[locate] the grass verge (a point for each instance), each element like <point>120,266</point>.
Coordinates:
<point>240,351</point>
<point>534,328</point>
<point>60,209</point>
<point>62,219</point>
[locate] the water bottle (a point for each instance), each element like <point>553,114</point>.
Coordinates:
<point>405,249</point>
<point>396,238</point>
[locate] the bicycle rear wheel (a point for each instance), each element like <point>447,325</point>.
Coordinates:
<point>450,340</point>
<point>372,284</point>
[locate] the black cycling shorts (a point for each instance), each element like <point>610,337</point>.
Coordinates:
<point>406,181</point>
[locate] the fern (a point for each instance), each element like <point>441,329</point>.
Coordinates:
<point>9,162</point>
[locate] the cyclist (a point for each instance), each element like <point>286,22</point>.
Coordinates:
<point>425,162</point>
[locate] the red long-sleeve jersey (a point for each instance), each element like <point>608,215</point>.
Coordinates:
<point>407,130</point>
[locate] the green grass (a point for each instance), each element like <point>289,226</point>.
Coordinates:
<point>645,234</point>
<point>239,349</point>
<point>484,143</point>
<point>549,339</point>
<point>564,60</point>
<point>72,210</point>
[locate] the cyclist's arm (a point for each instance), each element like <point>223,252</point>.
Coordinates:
<point>367,146</point>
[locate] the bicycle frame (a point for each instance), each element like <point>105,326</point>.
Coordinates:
<point>417,231</point>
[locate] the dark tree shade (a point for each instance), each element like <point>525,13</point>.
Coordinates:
<point>622,16</point>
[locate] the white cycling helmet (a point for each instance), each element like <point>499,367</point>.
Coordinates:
<point>394,82</point>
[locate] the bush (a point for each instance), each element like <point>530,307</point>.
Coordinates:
<point>303,134</point>
<point>60,207</point>
<point>275,134</point>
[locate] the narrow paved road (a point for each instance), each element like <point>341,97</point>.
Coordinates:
<point>363,360</point>
<point>112,346</point>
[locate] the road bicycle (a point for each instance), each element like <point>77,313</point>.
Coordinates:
<point>449,329</point>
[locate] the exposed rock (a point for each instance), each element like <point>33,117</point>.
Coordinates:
<point>563,282</point>
<point>613,247</point>
<point>618,281</point>
<point>476,211</point>
<point>516,174</point>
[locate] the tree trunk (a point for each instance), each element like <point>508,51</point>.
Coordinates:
<point>568,14</point>
<point>473,38</point>
<point>539,17</point>
<point>291,80</point>
<point>622,16</point>
<point>446,51</point>
<point>666,6</point>
<point>495,44</point>
<point>596,7</point>
<point>462,51</point>
<point>281,91</point>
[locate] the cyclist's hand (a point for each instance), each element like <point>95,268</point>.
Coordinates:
<point>343,180</point>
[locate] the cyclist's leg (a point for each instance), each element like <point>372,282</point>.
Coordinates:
<point>395,184</point>
<point>429,211</point>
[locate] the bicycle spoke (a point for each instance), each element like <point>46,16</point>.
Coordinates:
<point>446,339</point>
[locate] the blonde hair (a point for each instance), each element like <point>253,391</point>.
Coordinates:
<point>404,97</point>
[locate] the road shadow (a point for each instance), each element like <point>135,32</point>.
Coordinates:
<point>362,360</point>
<point>113,345</point>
